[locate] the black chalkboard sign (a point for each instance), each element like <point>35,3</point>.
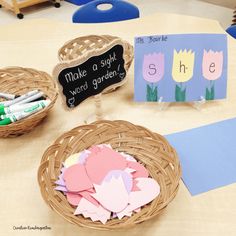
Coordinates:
<point>91,77</point>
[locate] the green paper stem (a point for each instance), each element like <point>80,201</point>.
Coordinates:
<point>152,93</point>
<point>210,92</point>
<point>180,93</point>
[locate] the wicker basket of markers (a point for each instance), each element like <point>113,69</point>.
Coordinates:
<point>151,162</point>
<point>26,81</point>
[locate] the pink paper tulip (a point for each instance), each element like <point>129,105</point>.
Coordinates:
<point>212,64</point>
<point>153,67</point>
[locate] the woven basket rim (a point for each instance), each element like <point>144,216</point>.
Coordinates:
<point>46,169</point>
<point>19,125</point>
<point>86,37</point>
<point>78,50</point>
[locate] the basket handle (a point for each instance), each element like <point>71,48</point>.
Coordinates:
<point>98,107</point>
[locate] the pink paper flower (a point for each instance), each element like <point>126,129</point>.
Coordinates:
<point>212,64</point>
<point>153,67</point>
<point>106,184</point>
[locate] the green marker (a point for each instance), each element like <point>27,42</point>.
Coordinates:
<point>20,107</point>
<point>6,121</point>
<point>10,118</point>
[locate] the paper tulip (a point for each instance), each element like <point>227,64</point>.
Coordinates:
<point>107,191</point>
<point>153,72</point>
<point>153,67</point>
<point>212,65</point>
<point>182,71</point>
<point>183,65</point>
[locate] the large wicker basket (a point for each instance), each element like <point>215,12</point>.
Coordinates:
<point>17,80</point>
<point>149,148</point>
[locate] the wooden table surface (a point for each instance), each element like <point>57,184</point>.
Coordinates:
<point>35,44</point>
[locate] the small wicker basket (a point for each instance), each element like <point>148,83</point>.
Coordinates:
<point>234,17</point>
<point>77,47</point>
<point>17,80</point>
<point>147,147</point>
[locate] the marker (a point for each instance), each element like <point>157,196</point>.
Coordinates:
<point>31,98</point>
<point>27,112</point>
<point>9,96</point>
<point>14,101</point>
<point>39,99</point>
<point>3,117</point>
<point>19,107</point>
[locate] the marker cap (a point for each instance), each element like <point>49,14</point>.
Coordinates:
<point>6,121</point>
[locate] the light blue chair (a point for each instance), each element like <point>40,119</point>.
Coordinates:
<point>119,11</point>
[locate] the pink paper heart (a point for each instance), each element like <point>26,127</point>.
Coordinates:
<point>129,170</point>
<point>135,187</point>
<point>88,196</point>
<point>141,171</point>
<point>128,157</point>
<point>95,149</point>
<point>73,199</point>
<point>150,189</point>
<point>101,161</point>
<point>76,178</point>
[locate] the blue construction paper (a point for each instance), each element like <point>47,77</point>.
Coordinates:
<point>207,155</point>
<point>166,44</point>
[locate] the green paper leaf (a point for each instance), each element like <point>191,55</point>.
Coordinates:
<point>180,95</point>
<point>177,93</point>
<point>148,94</point>
<point>212,92</point>
<point>151,94</point>
<point>207,95</point>
<point>183,95</point>
<point>154,93</point>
